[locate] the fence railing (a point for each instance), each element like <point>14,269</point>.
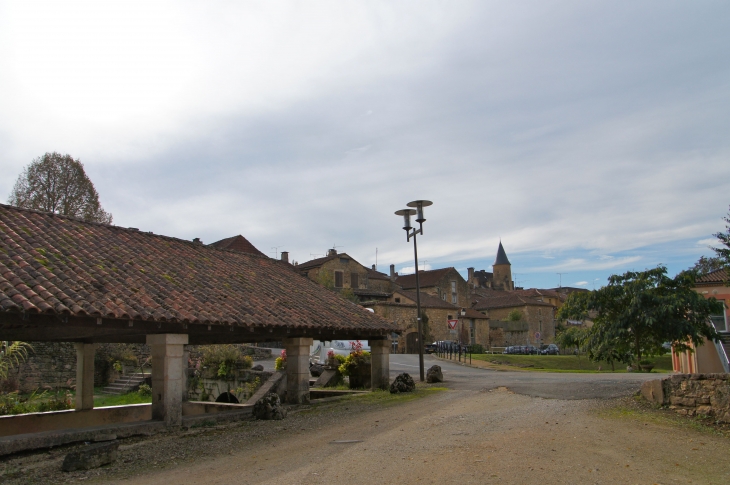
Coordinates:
<point>721,352</point>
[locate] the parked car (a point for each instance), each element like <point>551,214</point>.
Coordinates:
<point>430,348</point>
<point>550,349</point>
<point>531,350</point>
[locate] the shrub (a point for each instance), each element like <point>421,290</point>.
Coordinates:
<point>144,390</point>
<point>225,358</point>
<point>477,348</point>
<point>356,358</point>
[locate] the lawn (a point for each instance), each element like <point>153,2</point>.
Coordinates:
<point>104,400</point>
<point>564,363</point>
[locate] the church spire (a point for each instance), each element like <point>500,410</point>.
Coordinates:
<point>501,256</point>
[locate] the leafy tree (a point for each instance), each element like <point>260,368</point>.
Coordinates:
<point>58,183</point>
<point>571,337</point>
<point>723,254</point>
<point>705,265</point>
<point>514,316</point>
<point>639,311</point>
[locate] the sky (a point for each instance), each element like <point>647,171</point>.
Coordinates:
<point>591,138</point>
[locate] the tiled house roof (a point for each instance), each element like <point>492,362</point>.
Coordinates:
<point>506,300</point>
<point>537,293</point>
<point>377,275</point>
<point>425,278</point>
<point>714,278</point>
<point>61,266</point>
<point>237,243</point>
<point>316,263</point>
<point>427,301</point>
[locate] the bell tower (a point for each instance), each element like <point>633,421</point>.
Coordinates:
<point>502,270</point>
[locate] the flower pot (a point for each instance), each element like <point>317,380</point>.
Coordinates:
<point>360,377</point>
<point>647,368</point>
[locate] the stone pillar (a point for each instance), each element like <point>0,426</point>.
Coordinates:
<point>167,376</point>
<point>297,370</point>
<point>186,358</point>
<point>380,363</point>
<point>85,376</point>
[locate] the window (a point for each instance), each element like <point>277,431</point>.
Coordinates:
<point>453,298</point>
<point>472,333</point>
<point>397,300</point>
<point>344,260</point>
<point>338,279</point>
<point>354,280</point>
<point>443,297</point>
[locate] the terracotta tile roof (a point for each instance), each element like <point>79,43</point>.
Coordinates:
<point>425,278</point>
<point>717,277</point>
<point>537,293</point>
<point>56,265</point>
<point>427,301</point>
<point>316,263</point>
<point>472,313</point>
<point>377,275</point>
<point>507,299</point>
<point>237,243</point>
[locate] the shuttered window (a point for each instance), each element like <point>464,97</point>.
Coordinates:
<point>354,283</point>
<point>338,279</point>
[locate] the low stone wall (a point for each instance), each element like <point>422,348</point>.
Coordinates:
<point>692,394</point>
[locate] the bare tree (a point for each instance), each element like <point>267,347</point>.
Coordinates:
<point>58,183</point>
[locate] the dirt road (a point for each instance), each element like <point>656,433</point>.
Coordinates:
<point>453,436</point>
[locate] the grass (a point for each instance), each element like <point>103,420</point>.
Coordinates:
<point>104,400</point>
<point>637,409</point>
<point>385,397</point>
<point>563,363</point>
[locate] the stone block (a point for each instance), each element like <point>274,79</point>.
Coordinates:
<point>403,383</point>
<point>92,456</point>
<point>329,378</point>
<point>653,391</point>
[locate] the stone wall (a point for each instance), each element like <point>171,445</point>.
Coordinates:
<point>404,315</point>
<point>692,394</point>
<point>539,318</point>
<point>49,365</point>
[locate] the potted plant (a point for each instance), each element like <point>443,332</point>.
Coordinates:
<point>357,367</point>
<point>646,365</point>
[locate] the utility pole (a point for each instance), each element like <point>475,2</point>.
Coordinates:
<point>560,285</point>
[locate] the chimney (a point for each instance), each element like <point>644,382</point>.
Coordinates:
<point>197,241</point>
<point>332,252</point>
<point>471,275</point>
<point>373,266</point>
<point>392,272</point>
<point>285,256</point>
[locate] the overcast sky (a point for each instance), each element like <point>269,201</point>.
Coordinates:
<point>591,137</point>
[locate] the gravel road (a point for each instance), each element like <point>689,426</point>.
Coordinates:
<point>477,431</point>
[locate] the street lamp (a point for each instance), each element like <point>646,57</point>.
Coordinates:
<point>411,233</point>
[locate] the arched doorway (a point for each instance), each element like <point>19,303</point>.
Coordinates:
<point>412,343</point>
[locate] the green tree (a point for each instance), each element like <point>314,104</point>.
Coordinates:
<point>723,254</point>
<point>58,183</point>
<point>639,311</point>
<point>571,338</point>
<point>705,265</point>
<point>514,316</point>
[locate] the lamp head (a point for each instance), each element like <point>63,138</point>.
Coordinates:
<point>406,213</point>
<point>419,205</point>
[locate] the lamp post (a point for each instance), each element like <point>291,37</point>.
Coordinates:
<point>411,232</point>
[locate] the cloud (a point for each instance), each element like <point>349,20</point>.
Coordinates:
<point>712,242</point>
<point>563,128</point>
<point>411,269</point>
<point>581,283</point>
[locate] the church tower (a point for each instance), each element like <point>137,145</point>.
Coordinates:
<point>502,270</point>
